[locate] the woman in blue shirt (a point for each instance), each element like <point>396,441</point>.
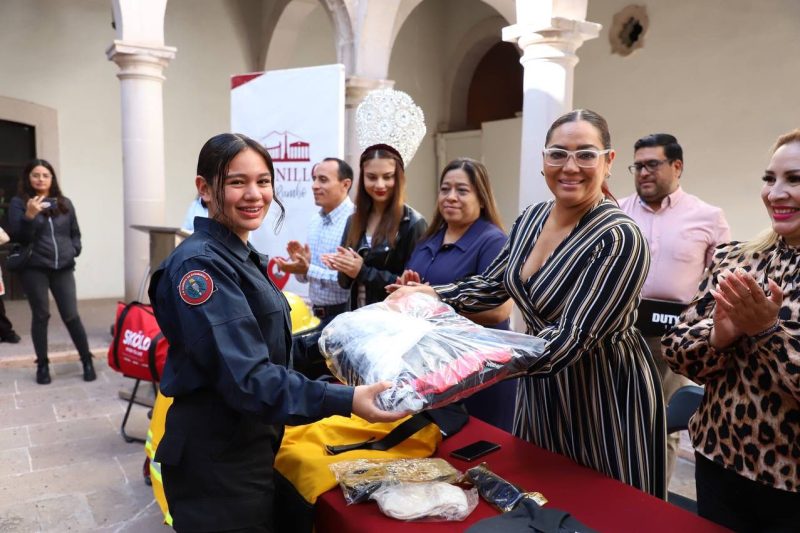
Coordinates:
<point>465,236</point>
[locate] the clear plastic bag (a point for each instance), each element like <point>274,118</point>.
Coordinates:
<point>432,355</point>
<point>437,501</point>
<point>359,478</point>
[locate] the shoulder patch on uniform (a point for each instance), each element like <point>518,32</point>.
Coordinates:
<point>196,287</point>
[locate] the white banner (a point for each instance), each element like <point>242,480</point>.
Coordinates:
<point>298,115</point>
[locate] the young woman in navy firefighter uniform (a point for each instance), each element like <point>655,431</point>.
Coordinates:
<point>229,332</point>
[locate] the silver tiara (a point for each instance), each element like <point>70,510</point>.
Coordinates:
<point>390,117</point>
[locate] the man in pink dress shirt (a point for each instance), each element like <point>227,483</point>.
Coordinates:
<point>682,232</point>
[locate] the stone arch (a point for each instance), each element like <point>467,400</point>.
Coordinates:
<point>343,30</point>
<point>282,29</point>
<point>404,10</point>
<point>474,45</point>
<point>477,41</point>
<point>375,37</point>
<point>506,9</point>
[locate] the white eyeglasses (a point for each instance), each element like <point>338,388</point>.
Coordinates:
<point>556,157</point>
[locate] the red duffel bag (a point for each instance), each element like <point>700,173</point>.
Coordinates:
<point>139,349</point>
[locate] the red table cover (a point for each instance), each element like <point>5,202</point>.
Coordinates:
<point>599,502</point>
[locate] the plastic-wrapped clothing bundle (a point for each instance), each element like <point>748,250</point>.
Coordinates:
<point>426,501</point>
<point>432,355</point>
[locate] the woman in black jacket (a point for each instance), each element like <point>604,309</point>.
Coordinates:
<point>42,218</point>
<point>380,236</point>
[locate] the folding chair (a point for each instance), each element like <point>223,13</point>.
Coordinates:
<point>138,379</point>
<point>132,400</point>
<point>682,406</point>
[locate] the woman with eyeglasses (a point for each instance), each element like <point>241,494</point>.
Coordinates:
<point>574,266</point>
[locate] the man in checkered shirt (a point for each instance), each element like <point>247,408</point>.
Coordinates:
<point>332,179</point>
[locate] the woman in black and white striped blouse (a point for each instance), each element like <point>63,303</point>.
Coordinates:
<point>574,266</point>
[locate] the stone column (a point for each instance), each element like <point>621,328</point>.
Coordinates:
<point>356,89</point>
<point>141,78</point>
<point>548,61</point>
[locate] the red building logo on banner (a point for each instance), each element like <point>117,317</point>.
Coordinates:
<point>286,147</point>
<point>297,115</point>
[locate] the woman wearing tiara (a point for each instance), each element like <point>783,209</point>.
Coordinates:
<point>380,236</point>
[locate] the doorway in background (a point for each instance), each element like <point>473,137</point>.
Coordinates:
<point>17,147</point>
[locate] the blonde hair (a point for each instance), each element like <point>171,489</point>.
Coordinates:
<point>768,238</point>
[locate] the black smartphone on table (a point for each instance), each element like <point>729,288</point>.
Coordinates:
<point>470,452</point>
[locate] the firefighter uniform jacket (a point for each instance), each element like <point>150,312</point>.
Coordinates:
<point>229,333</point>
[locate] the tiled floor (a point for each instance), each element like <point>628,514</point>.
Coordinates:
<point>63,464</point>
<point>682,481</point>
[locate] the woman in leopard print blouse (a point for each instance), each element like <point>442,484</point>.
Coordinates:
<point>741,338</point>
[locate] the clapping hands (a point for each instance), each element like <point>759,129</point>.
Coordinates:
<point>299,258</point>
<point>743,307</point>
<point>345,260</point>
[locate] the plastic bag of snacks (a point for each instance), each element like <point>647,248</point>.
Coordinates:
<point>361,477</point>
<point>433,355</point>
<point>437,501</point>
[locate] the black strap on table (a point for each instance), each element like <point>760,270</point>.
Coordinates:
<point>388,441</point>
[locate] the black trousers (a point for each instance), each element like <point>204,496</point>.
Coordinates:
<point>217,466</point>
<point>743,505</point>
<point>37,282</point>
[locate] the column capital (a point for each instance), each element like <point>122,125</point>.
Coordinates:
<point>140,60</point>
<point>562,37</point>
<point>549,55</point>
<point>357,87</point>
